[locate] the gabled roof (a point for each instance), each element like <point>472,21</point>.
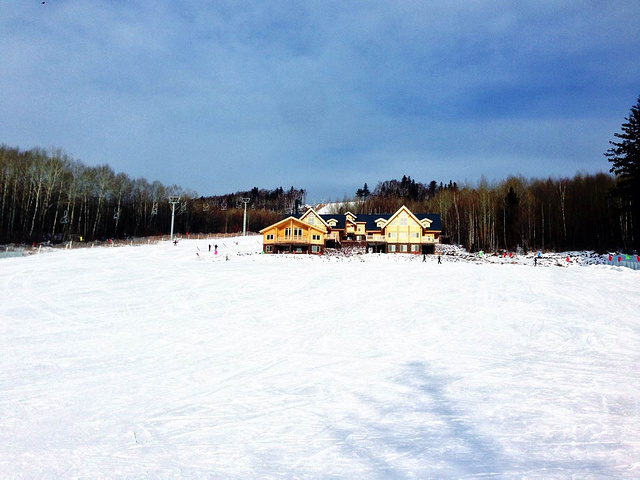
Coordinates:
<point>295,221</point>
<point>407,211</point>
<point>435,220</point>
<point>382,221</point>
<point>340,219</point>
<point>370,220</point>
<point>312,210</point>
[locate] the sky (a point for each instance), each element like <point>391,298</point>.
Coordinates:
<point>219,97</point>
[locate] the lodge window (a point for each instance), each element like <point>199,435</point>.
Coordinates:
<point>312,220</point>
<point>415,248</point>
<point>403,234</point>
<point>316,237</point>
<point>392,248</point>
<point>415,234</point>
<point>315,248</point>
<point>270,237</point>
<point>287,232</point>
<point>403,248</point>
<point>269,248</point>
<point>404,221</point>
<point>297,232</point>
<point>392,234</point>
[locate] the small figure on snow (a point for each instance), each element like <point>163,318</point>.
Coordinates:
<point>439,260</point>
<point>424,257</point>
<point>535,261</point>
<point>175,242</point>
<point>209,247</point>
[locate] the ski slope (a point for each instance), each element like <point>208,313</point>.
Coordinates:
<point>165,361</point>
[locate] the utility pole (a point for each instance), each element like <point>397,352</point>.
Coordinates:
<point>173,200</point>
<point>244,221</point>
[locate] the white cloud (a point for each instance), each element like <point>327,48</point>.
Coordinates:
<point>276,92</point>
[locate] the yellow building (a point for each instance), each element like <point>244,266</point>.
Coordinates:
<point>400,232</point>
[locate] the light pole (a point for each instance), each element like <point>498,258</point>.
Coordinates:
<point>244,221</point>
<point>173,200</point>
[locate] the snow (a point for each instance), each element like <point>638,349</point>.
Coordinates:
<point>152,361</point>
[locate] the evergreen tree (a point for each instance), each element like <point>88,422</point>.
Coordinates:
<point>625,157</point>
<point>363,193</point>
<point>511,219</point>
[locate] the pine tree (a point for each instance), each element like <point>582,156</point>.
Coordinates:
<point>625,157</point>
<point>365,191</point>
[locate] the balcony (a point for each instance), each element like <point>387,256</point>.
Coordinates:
<point>292,239</point>
<point>376,238</point>
<point>299,240</point>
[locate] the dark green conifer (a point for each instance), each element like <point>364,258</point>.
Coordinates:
<point>625,157</point>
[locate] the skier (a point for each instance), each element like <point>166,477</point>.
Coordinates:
<point>209,247</point>
<point>424,257</point>
<point>535,261</point>
<point>439,260</point>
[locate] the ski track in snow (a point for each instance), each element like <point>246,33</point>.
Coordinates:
<point>154,362</point>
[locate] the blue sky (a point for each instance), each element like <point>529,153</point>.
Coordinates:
<point>323,95</point>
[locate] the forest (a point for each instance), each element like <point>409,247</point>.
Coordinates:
<point>530,214</point>
<point>48,196</point>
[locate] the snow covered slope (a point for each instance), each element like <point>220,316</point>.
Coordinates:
<point>169,361</point>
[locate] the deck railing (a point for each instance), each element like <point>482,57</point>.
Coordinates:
<point>375,238</point>
<point>293,238</point>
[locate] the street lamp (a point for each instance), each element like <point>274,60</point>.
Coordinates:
<point>173,200</point>
<point>244,221</point>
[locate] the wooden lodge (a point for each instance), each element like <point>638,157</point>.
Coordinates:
<point>399,232</point>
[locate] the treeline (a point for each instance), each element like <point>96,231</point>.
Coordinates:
<point>549,214</point>
<point>46,195</point>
